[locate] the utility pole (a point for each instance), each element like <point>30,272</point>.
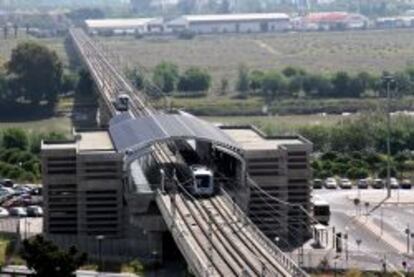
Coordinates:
<point>382,220</point>
<point>389,80</point>
<point>408,233</point>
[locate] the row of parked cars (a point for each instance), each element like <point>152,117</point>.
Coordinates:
<point>30,211</point>
<point>345,183</point>
<point>19,200</point>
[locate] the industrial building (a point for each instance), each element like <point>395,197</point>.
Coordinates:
<point>326,21</point>
<point>124,26</point>
<point>280,173</point>
<point>231,23</point>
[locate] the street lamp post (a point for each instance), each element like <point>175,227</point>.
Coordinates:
<point>100,238</point>
<point>346,244</point>
<point>388,79</point>
<point>358,242</point>
<point>408,233</point>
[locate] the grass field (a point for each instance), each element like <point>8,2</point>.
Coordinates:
<point>57,124</point>
<point>279,124</point>
<point>353,51</point>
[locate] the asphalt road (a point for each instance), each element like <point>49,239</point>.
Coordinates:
<point>372,250</point>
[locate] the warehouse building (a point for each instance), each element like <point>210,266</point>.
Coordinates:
<point>231,23</point>
<point>280,173</point>
<point>124,26</point>
<point>325,21</point>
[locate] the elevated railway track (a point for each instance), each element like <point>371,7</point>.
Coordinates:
<point>214,235</point>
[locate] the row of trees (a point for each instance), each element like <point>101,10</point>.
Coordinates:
<point>19,153</point>
<point>296,82</point>
<point>167,78</point>
<point>356,147</point>
<point>367,132</point>
<point>361,164</point>
<point>291,82</point>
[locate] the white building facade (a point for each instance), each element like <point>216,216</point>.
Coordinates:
<point>232,23</point>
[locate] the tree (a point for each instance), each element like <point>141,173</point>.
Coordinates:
<point>317,85</point>
<point>85,84</point>
<point>166,76</point>
<point>224,86</point>
<point>242,84</point>
<point>256,80</point>
<point>15,138</point>
<point>46,259</point>
<point>3,84</point>
<point>340,83</point>
<point>69,82</point>
<point>273,85</point>
<point>37,72</point>
<point>137,78</point>
<point>194,79</point>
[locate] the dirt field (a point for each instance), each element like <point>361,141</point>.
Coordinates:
<point>373,51</point>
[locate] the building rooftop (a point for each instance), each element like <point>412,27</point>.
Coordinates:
<point>251,139</point>
<point>85,141</point>
<point>235,17</point>
<point>95,141</point>
<point>118,23</point>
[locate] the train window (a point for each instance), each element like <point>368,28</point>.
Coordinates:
<point>203,181</point>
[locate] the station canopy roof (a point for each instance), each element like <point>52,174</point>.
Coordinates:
<point>135,134</point>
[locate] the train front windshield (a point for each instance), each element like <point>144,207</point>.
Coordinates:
<point>203,181</point>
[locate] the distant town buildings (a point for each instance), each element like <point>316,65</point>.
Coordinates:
<point>125,26</point>
<point>332,21</point>
<point>231,23</point>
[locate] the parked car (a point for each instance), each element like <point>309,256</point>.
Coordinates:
<point>317,183</point>
<point>405,184</point>
<point>20,190</point>
<point>345,183</point>
<point>330,183</point>
<point>34,211</point>
<point>363,183</point>
<point>378,184</point>
<point>7,190</point>
<point>7,183</point>
<point>18,212</point>
<point>394,183</point>
<point>3,212</point>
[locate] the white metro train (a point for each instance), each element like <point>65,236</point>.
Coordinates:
<point>203,181</point>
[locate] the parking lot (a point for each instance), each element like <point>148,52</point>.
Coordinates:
<point>20,208</point>
<point>345,183</point>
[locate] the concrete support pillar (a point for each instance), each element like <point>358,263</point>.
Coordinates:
<point>103,115</point>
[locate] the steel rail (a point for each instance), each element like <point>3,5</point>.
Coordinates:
<point>110,82</point>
